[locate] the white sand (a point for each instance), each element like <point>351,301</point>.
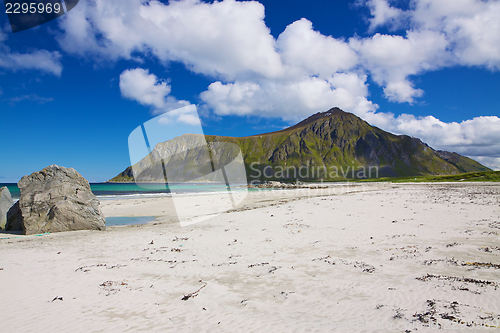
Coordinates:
<point>309,265</point>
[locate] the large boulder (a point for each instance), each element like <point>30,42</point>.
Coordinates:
<point>5,203</point>
<point>55,199</point>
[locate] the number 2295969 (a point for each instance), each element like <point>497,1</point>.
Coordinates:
<point>32,8</point>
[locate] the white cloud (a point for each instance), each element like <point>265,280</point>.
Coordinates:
<point>491,162</point>
<point>3,36</point>
<point>41,60</point>
<point>296,99</point>
<point>188,116</point>
<point>306,51</point>
<point>473,137</point>
<point>319,74</point>
<point>138,85</point>
<point>30,97</point>
<point>472,26</point>
<point>224,39</point>
<point>439,33</point>
<point>391,59</point>
<point>384,14</point>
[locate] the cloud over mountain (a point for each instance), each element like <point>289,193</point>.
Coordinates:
<point>137,84</point>
<point>302,71</point>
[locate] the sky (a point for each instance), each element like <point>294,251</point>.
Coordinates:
<point>72,90</point>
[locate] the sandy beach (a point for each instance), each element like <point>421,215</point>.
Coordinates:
<point>377,257</point>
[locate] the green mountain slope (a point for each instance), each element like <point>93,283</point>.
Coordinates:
<point>332,145</point>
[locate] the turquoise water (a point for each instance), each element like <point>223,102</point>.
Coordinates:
<point>128,220</point>
<point>113,190</point>
<point>109,191</point>
<point>14,190</point>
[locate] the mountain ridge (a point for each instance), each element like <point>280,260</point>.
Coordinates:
<point>331,139</point>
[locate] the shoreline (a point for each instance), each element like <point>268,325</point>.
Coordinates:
<point>160,205</point>
<point>255,198</point>
<point>163,207</point>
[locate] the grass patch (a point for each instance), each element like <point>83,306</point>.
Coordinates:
<point>487,176</point>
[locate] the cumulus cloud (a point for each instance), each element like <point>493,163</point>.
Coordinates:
<point>391,59</point>
<point>42,60</point>
<point>225,39</point>
<point>383,14</point>
<point>439,33</point>
<point>319,73</point>
<point>138,85</point>
<point>471,26</point>
<point>308,52</point>
<point>479,131</point>
<point>188,116</point>
<point>296,99</point>
<point>473,137</point>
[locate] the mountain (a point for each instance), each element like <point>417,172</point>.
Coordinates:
<point>332,145</point>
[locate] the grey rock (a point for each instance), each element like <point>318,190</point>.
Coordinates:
<point>5,203</point>
<point>55,199</point>
<point>297,184</point>
<point>14,219</point>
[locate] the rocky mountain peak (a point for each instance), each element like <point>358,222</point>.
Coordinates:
<point>330,139</point>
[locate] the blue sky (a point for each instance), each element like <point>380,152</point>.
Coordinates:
<point>73,89</point>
